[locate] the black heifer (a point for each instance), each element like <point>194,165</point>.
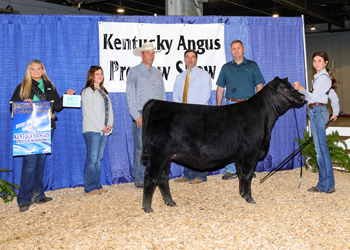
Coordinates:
<point>207,137</point>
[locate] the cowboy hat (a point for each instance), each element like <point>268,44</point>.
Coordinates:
<point>145,47</point>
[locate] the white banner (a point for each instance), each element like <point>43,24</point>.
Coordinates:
<point>118,40</point>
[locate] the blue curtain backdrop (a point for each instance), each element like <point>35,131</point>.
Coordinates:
<point>68,46</point>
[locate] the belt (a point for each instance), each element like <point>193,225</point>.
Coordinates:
<point>236,100</point>
<point>311,105</point>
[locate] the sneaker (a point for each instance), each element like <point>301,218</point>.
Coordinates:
<point>229,176</point>
<point>195,181</point>
<point>183,179</point>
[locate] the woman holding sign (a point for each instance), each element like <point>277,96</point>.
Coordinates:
<point>97,126</point>
<point>36,86</point>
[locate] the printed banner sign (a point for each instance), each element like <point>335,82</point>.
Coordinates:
<point>31,128</point>
<point>118,40</point>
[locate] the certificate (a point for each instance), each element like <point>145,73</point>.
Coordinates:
<point>72,101</point>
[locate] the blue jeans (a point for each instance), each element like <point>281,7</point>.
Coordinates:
<point>319,117</point>
<point>95,147</point>
<point>230,168</point>
<point>138,170</point>
<point>190,174</point>
<point>32,185</point>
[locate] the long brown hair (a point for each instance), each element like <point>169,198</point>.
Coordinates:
<point>326,59</point>
<point>26,86</point>
<point>90,79</point>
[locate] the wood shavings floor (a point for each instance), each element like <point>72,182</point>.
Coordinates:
<point>209,215</point>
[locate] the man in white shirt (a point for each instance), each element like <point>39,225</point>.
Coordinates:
<point>196,91</point>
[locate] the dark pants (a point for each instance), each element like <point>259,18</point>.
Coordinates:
<point>32,186</point>
<point>190,174</point>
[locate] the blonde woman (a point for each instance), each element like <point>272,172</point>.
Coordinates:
<point>36,86</point>
<point>97,126</point>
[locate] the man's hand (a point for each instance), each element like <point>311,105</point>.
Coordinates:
<point>219,95</point>
<point>139,122</point>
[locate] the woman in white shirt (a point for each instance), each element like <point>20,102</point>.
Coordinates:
<point>97,126</point>
<point>322,88</point>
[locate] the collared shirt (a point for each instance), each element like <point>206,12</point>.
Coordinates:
<point>321,84</point>
<point>334,102</point>
<point>141,86</point>
<point>199,90</point>
<point>241,79</point>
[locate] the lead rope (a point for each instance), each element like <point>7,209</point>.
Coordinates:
<point>301,154</point>
<point>291,156</point>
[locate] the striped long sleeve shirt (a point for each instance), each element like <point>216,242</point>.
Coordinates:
<point>141,86</point>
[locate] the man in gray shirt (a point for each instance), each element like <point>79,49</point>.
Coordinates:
<point>144,82</point>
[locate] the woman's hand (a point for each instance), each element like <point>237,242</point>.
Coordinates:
<point>107,129</point>
<point>70,92</point>
<point>28,100</point>
<point>334,117</point>
<point>297,86</point>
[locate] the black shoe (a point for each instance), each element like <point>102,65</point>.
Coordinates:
<point>139,185</point>
<point>229,176</point>
<point>43,200</point>
<point>23,208</point>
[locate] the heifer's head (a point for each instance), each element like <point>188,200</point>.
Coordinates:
<point>287,93</point>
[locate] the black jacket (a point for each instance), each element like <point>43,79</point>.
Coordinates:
<point>50,93</point>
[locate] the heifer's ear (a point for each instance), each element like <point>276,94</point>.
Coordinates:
<point>273,84</point>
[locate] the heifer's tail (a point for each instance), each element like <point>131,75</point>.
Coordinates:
<point>145,136</point>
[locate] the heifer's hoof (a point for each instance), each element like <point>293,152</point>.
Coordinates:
<point>170,204</point>
<point>148,210</point>
<point>250,200</point>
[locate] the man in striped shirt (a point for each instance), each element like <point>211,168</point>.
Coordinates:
<point>144,82</point>
<point>240,77</point>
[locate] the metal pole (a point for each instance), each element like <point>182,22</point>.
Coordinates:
<point>306,73</point>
